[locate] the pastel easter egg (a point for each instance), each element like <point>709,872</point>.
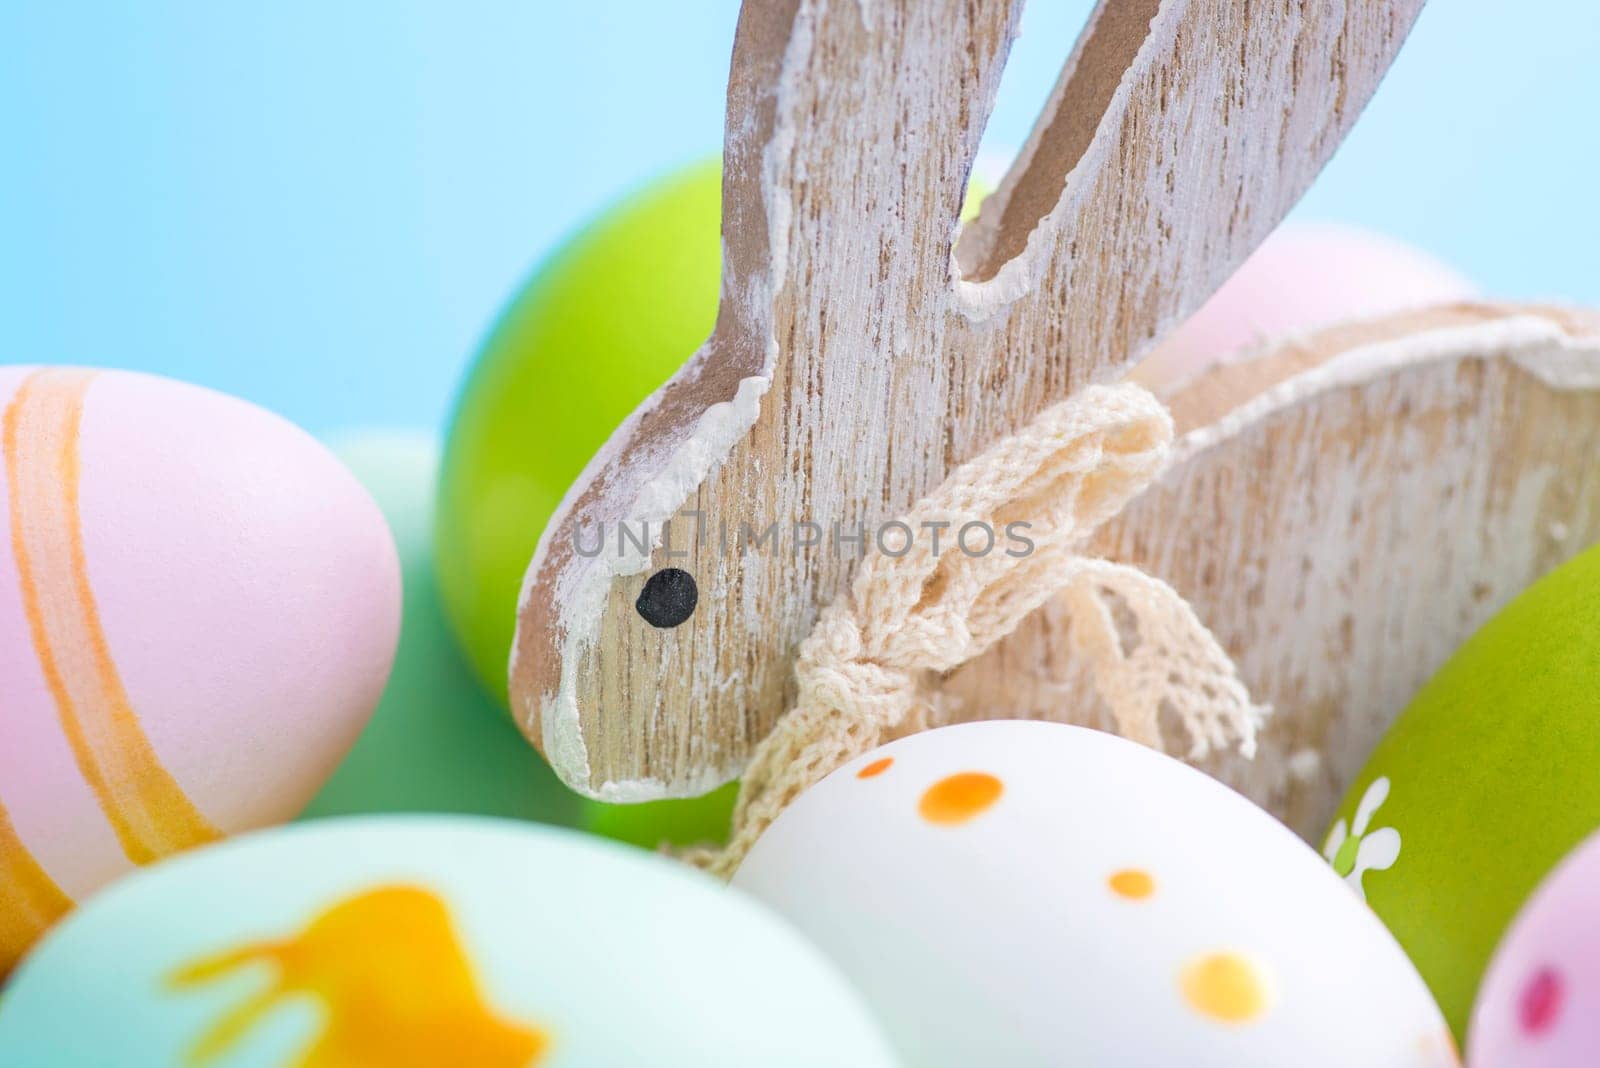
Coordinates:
<point>437,742</point>
<point>1026,893</point>
<point>409,942</point>
<point>1539,1006</point>
<point>605,319</point>
<point>198,610</point>
<point>1304,276</point>
<point>1482,784</point>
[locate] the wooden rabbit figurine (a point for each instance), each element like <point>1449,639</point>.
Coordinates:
<point>866,345</point>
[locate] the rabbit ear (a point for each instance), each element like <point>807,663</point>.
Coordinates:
<point>854,364</point>
<point>1179,135</point>
<point>851,133</point>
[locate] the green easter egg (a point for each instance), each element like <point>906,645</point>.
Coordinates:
<point>607,318</point>
<point>1482,785</point>
<point>649,825</point>
<point>436,743</point>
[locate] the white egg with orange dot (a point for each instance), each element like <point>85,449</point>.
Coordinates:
<point>1027,893</point>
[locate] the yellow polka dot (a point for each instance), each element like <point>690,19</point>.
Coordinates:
<point>958,798</point>
<point>1132,884</point>
<point>877,767</point>
<point>1227,986</point>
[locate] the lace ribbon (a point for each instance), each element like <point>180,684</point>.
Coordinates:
<point>869,670</point>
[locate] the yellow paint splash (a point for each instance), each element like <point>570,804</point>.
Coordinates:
<point>1135,884</point>
<point>1229,987</point>
<point>393,980</point>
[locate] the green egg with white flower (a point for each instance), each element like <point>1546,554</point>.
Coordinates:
<point>1482,785</point>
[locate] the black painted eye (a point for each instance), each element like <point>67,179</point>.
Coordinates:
<point>668,598</point>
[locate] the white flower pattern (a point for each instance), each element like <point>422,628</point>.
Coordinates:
<point>1356,851</point>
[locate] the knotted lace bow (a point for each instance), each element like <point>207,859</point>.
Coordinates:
<point>868,671</point>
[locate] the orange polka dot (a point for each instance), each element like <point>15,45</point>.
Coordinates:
<point>958,798</point>
<point>1132,884</point>
<point>877,767</point>
<point>1229,987</point>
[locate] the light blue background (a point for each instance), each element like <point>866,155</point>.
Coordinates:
<point>321,205</point>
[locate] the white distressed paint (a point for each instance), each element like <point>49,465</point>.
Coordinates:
<point>894,368</point>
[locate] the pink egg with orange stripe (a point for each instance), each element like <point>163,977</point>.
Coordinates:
<point>199,607</point>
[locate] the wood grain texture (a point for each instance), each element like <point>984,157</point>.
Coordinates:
<point>1344,511</point>
<point>861,352</point>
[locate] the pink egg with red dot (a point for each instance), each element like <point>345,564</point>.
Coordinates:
<point>1539,1005</point>
<point>1304,276</point>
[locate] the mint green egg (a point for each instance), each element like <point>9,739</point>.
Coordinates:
<point>1482,785</point>
<point>428,942</point>
<point>436,743</point>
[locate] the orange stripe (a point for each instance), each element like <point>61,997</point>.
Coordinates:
<point>30,901</point>
<point>142,801</point>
